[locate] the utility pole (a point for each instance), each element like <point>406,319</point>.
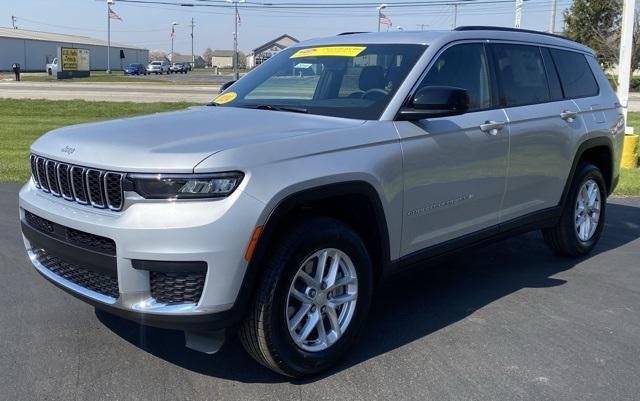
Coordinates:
<point>13,22</point>
<point>624,60</point>
<point>455,17</point>
<point>236,17</point>
<point>552,22</point>
<point>193,57</point>
<point>518,13</point>
<point>109,3</point>
<point>422,26</point>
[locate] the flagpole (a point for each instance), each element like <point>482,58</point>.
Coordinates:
<point>109,2</point>
<point>380,8</point>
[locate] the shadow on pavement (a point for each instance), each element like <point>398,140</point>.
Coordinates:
<point>407,307</point>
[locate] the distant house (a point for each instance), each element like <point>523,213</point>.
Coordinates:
<point>222,58</point>
<point>183,58</point>
<point>263,53</point>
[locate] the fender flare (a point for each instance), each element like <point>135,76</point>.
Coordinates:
<point>582,148</point>
<point>289,203</point>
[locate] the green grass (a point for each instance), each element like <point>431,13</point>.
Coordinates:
<point>629,182</point>
<point>23,121</point>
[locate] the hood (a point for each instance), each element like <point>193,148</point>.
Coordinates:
<point>175,142</point>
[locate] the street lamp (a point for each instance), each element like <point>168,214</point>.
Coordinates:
<point>380,8</point>
<point>173,36</point>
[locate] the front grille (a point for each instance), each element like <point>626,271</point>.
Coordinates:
<point>94,281</point>
<point>82,239</point>
<point>99,188</point>
<point>37,222</point>
<point>177,288</point>
<point>91,241</point>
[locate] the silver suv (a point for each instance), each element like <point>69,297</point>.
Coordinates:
<point>277,208</point>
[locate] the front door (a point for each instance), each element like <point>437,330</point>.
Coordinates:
<point>454,167</point>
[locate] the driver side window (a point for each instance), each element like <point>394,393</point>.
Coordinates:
<point>464,66</point>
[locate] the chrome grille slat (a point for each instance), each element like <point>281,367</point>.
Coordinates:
<point>78,185</point>
<point>87,186</point>
<point>50,167</point>
<point>42,176</point>
<point>95,188</point>
<point>34,170</point>
<point>113,190</point>
<point>64,181</point>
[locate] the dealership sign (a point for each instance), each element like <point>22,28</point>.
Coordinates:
<point>73,63</point>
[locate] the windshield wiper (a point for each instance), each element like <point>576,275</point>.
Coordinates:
<point>274,107</point>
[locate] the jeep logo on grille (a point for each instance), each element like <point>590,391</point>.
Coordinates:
<point>68,150</point>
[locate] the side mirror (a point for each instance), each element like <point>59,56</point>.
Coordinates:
<point>436,101</point>
<point>226,85</point>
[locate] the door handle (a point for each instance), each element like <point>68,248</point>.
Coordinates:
<point>492,127</point>
<point>568,115</point>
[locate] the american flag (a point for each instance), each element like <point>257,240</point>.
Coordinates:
<point>384,20</point>
<point>238,17</point>
<point>113,15</point>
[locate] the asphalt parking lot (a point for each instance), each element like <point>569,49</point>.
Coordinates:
<point>509,321</point>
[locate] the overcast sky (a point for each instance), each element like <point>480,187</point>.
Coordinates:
<point>149,26</point>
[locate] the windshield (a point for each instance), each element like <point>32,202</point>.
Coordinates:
<point>353,81</point>
<point>156,63</point>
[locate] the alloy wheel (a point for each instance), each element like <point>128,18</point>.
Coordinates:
<point>587,211</point>
<point>322,300</point>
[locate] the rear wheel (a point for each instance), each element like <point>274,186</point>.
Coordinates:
<point>312,300</point>
<point>583,216</point>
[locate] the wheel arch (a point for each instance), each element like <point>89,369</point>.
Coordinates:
<point>293,206</point>
<point>598,151</point>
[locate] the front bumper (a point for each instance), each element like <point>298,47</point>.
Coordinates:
<point>213,232</point>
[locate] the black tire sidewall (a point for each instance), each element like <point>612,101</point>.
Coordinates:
<point>332,234</point>
<point>586,173</point>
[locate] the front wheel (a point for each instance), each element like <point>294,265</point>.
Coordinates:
<point>312,300</point>
<point>579,228</point>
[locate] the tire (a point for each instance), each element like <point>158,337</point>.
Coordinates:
<point>264,332</point>
<point>565,237</point>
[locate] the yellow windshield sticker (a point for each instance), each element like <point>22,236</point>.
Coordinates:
<point>225,98</point>
<point>329,51</point>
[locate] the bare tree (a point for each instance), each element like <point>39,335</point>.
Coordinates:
<point>206,55</point>
<point>157,55</point>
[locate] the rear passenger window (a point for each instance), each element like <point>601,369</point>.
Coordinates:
<point>575,74</point>
<point>463,66</point>
<point>521,75</point>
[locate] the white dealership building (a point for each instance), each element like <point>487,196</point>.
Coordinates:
<point>34,49</point>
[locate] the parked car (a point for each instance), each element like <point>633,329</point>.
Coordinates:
<point>52,67</point>
<point>278,209</point>
<point>135,69</point>
<point>158,67</point>
<point>182,68</point>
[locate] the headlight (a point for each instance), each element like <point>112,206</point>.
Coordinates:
<point>185,186</point>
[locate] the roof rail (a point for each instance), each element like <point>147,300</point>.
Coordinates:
<point>350,33</point>
<point>507,29</point>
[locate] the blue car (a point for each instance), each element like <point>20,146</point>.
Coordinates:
<point>135,69</point>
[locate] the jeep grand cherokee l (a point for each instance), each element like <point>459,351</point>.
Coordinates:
<point>276,209</point>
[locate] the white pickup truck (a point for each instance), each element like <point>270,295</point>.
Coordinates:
<point>52,68</point>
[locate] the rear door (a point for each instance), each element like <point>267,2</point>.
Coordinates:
<point>596,101</point>
<point>454,167</point>
<point>543,128</point>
